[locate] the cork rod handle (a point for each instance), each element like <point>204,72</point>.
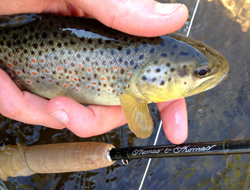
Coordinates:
<point>53,158</point>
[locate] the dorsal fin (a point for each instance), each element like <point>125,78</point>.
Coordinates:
<point>11,21</point>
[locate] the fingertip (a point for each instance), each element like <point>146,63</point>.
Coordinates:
<point>174,118</point>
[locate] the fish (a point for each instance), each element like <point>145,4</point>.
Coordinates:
<point>52,55</point>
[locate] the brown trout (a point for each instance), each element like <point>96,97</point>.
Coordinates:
<point>81,58</point>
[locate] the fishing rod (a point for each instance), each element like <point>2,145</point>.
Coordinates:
<point>17,160</point>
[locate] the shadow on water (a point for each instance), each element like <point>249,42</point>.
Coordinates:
<point>219,114</point>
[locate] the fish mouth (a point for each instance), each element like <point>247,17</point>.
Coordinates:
<point>217,82</point>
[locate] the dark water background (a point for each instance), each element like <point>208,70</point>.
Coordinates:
<point>222,113</point>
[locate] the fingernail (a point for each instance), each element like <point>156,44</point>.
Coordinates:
<point>61,116</point>
<point>166,8</point>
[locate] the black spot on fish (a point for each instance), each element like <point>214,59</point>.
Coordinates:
<point>32,53</point>
<point>119,48</point>
<point>162,82</point>
<point>91,50</point>
<point>120,60</point>
<point>82,39</point>
<point>172,53</point>
<point>126,63</point>
<point>87,58</point>
<point>163,44</point>
<point>136,49</point>
<point>35,45</point>
<point>59,44</point>
<point>136,66</point>
<point>108,41</point>
<point>25,51</point>
<point>90,41</point>
<point>128,51</point>
<point>100,41</point>
<point>44,35</point>
<point>132,62</point>
<point>169,79</point>
<point>153,79</point>
<point>55,34</point>
<point>164,55</point>
<point>185,82</point>
<point>175,46</point>
<point>25,40</point>
<point>95,76</point>
<point>9,44</point>
<point>1,43</point>
<point>172,69</point>
<point>101,52</point>
<point>184,53</point>
<point>14,36</point>
<point>168,64</point>
<point>72,42</point>
<point>32,29</point>
<point>141,57</point>
<point>51,42</point>
<point>40,53</point>
<point>78,55</point>
<point>198,54</point>
<point>148,71</point>
<point>156,62</point>
<point>64,34</point>
<point>144,78</point>
<point>65,43</point>
<point>42,44</point>
<point>152,50</point>
<point>112,52</point>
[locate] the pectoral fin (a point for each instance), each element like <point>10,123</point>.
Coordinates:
<point>137,115</point>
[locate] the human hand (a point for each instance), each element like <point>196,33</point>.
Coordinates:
<point>143,18</point>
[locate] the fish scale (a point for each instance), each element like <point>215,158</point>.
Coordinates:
<point>81,58</point>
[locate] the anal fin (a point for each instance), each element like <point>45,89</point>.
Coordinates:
<point>137,115</point>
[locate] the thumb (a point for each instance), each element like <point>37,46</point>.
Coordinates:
<point>138,17</point>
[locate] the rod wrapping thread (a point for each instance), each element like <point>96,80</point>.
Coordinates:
<point>54,158</point>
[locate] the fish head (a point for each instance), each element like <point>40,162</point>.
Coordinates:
<point>194,68</point>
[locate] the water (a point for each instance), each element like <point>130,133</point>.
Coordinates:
<point>219,114</point>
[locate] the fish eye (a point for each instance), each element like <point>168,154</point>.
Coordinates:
<point>202,72</point>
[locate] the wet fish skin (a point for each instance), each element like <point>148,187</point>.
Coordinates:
<point>81,58</point>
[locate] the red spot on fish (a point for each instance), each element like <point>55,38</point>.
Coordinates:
<point>34,73</point>
<point>89,69</point>
<point>60,77</point>
<point>65,85</point>
<point>34,61</point>
<point>9,65</point>
<point>98,94</point>
<point>18,72</point>
<point>80,65</point>
<point>77,90</point>
<point>75,79</point>
<point>108,89</point>
<point>47,71</point>
<point>19,82</point>
<point>129,74</point>
<point>115,67</point>
<point>71,85</point>
<point>46,50</point>
<point>50,80</point>
<point>86,92</point>
<point>88,86</point>
<point>103,78</point>
<point>42,60</point>
<point>94,83</point>
<point>28,81</point>
<point>59,68</point>
<point>118,86</point>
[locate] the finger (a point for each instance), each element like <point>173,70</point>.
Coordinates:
<point>85,121</point>
<point>23,106</point>
<point>137,17</point>
<point>174,120</point>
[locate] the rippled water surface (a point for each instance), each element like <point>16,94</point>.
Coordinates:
<point>219,114</point>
